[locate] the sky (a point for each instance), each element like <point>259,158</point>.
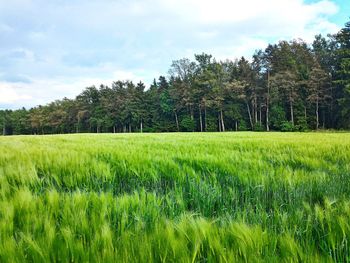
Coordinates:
<point>54,49</point>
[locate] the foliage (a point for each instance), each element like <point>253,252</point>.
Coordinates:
<point>259,127</point>
<point>277,116</point>
<point>287,126</point>
<point>302,125</point>
<point>186,124</point>
<point>287,82</point>
<point>342,72</point>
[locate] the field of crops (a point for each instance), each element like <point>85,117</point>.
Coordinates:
<point>190,197</point>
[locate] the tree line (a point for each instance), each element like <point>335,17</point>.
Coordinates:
<point>289,86</point>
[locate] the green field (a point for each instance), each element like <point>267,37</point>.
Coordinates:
<point>190,197</point>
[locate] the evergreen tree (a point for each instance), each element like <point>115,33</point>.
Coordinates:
<point>342,73</point>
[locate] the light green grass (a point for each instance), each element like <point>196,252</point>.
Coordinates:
<point>189,197</point>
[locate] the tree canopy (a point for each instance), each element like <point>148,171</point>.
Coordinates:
<point>289,86</point>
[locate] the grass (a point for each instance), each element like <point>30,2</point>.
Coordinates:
<point>189,197</point>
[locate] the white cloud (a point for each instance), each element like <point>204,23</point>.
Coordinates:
<point>5,28</point>
<point>43,91</point>
<point>10,94</point>
<point>63,46</point>
<point>126,75</point>
<point>37,36</point>
<point>233,11</point>
<point>207,34</point>
<point>244,47</point>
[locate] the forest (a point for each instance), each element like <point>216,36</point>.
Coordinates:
<point>289,86</point>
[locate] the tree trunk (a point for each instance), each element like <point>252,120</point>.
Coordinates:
<point>219,122</point>
<point>267,102</point>
<point>255,109</point>
<point>267,119</point>
<point>331,108</point>
<point>260,115</point>
<point>324,119</point>
<point>291,110</point>
<point>291,113</point>
<point>113,128</point>
<point>191,112</point>
<point>236,125</point>
<point>317,118</point>
<point>77,129</point>
<point>177,121</point>
<point>222,121</point>
<point>200,117</point>
<point>205,117</point>
<point>192,115</point>
<point>4,130</point>
<point>129,127</point>
<point>250,116</point>
<point>141,126</point>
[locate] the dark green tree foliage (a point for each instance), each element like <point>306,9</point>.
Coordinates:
<point>342,74</point>
<point>289,86</point>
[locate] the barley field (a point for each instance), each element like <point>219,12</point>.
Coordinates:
<point>189,197</point>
